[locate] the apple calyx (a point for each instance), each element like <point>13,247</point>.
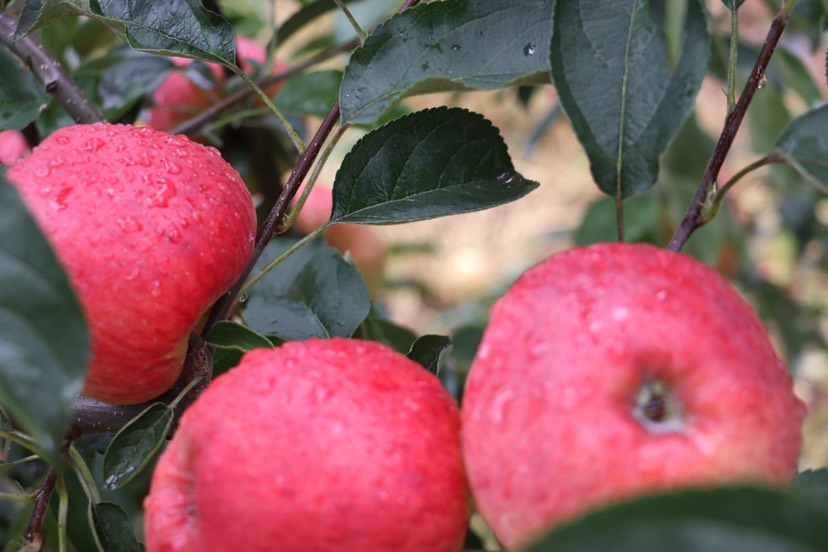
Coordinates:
<point>657,409</point>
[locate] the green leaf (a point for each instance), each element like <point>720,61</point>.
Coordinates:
<point>617,84</point>
<point>376,328</point>
<point>230,335</point>
<point>429,164</point>
<point>44,342</point>
<point>311,94</point>
<point>21,96</point>
<point>450,45</point>
<point>39,13</point>
<point>313,293</point>
<point>431,352</point>
<point>114,530</point>
<point>804,144</point>
<point>176,27</point>
<point>736,520</point>
<point>134,446</point>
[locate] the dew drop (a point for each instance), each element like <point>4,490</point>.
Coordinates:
<point>163,196</point>
<point>763,80</point>
<point>57,162</point>
<point>43,171</point>
<point>529,49</point>
<point>129,225</point>
<point>456,47</point>
<point>144,159</point>
<point>62,140</point>
<point>95,144</point>
<point>172,167</point>
<point>174,235</point>
<point>155,288</point>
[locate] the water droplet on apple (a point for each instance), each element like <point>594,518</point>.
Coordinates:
<point>172,167</point>
<point>62,140</point>
<point>95,144</point>
<point>661,295</point>
<point>43,171</point>
<point>155,288</point>
<point>55,162</point>
<point>144,159</point>
<point>174,235</point>
<point>500,403</point>
<point>165,193</point>
<point>129,225</point>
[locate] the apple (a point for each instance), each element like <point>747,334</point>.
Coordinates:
<point>366,248</point>
<point>345,445</point>
<point>178,98</point>
<point>616,370</point>
<point>151,229</point>
<point>13,146</point>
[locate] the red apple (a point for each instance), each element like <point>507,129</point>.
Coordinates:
<point>615,370</point>
<point>151,229</point>
<point>178,98</point>
<point>13,146</point>
<point>323,445</point>
<point>366,248</point>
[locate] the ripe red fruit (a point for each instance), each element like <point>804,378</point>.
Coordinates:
<point>366,248</point>
<point>151,229</point>
<point>178,98</point>
<point>345,445</point>
<point>13,146</point>
<point>616,370</point>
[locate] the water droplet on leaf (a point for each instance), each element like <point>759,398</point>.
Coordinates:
<point>529,49</point>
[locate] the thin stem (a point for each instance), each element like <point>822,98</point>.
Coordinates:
<point>85,477</point>
<point>352,20</point>
<point>42,496</point>
<point>718,197</point>
<point>734,56</point>
<point>694,217</point>
<point>21,498</point>
<point>275,262</point>
<point>63,513</point>
<point>49,72</point>
<point>23,440</point>
<point>294,136</point>
<point>619,218</point>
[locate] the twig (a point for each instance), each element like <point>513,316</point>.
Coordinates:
<point>694,218</point>
<point>49,72</point>
<point>42,496</point>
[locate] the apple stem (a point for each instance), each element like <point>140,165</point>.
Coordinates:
<point>49,72</point>
<point>695,218</point>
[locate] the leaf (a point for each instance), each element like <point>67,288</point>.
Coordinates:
<point>431,352</point>
<point>804,144</point>
<point>311,94</point>
<point>44,342</point>
<point>39,13</point>
<point>450,45</point>
<point>113,529</point>
<point>230,335</point>
<point>736,520</point>
<point>178,27</point>
<point>21,97</point>
<point>134,446</point>
<point>623,94</point>
<point>313,293</point>
<point>429,164</point>
<point>376,328</point>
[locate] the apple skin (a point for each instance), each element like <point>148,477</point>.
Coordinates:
<point>316,446</point>
<point>13,146</point>
<point>366,248</point>
<point>554,422</point>
<point>151,229</point>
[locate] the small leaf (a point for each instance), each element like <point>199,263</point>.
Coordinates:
<point>178,27</point>
<point>134,446</point>
<point>44,342</point>
<point>113,529</point>
<point>804,144</point>
<point>451,45</point>
<point>429,164</point>
<point>617,84</point>
<point>736,520</point>
<point>21,97</point>
<point>313,293</point>
<point>431,352</point>
<point>376,328</point>
<point>39,13</point>
<point>311,94</point>
<point>230,335</point>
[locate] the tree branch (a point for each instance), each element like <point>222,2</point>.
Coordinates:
<point>42,496</point>
<point>694,218</point>
<point>49,72</point>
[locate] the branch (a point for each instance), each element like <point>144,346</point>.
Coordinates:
<point>42,496</point>
<point>695,217</point>
<point>49,72</point>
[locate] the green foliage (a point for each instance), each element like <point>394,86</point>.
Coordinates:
<point>20,97</point>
